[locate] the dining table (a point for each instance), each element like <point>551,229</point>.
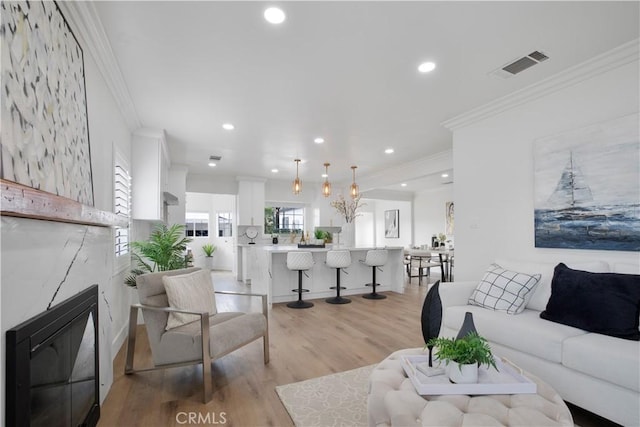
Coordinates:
<point>424,257</point>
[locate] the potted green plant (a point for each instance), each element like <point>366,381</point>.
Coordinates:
<point>208,250</point>
<point>463,356</point>
<point>164,250</point>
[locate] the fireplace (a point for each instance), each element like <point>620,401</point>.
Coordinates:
<point>52,371</point>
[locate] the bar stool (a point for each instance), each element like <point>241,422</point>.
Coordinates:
<point>338,259</point>
<point>300,261</point>
<point>375,259</point>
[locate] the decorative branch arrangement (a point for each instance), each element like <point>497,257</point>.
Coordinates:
<point>347,208</point>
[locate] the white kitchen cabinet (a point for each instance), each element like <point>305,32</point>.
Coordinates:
<point>251,202</point>
<point>149,175</point>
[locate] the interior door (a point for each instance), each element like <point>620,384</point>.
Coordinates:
<point>223,239</point>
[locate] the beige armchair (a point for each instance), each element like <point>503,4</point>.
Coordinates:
<point>203,341</point>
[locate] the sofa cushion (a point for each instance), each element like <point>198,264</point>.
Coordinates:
<point>608,358</point>
<point>537,300</point>
<point>625,268</point>
<point>503,290</point>
<point>605,303</point>
<point>526,332</point>
<point>193,292</point>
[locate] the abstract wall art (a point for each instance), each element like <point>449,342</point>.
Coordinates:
<point>45,132</point>
<point>587,187</point>
<point>448,229</point>
<point>391,224</point>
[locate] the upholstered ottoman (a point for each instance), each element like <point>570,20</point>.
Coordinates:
<point>393,401</point>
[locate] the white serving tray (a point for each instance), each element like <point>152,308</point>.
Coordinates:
<point>506,380</point>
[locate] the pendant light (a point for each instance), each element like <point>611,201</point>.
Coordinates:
<point>354,187</point>
<point>297,184</point>
<point>326,186</point>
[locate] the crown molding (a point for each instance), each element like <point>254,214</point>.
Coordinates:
<point>83,17</point>
<point>615,58</point>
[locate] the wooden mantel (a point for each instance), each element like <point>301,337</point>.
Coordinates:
<point>25,202</point>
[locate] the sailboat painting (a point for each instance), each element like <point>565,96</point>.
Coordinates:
<point>587,187</point>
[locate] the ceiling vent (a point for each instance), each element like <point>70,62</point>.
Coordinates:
<point>216,158</point>
<point>520,64</point>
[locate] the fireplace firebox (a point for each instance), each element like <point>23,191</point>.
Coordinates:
<point>52,370</point>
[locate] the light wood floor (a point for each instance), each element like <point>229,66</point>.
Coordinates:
<point>304,344</point>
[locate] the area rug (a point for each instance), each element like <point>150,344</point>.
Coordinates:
<point>333,400</point>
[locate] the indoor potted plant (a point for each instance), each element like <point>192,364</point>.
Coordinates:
<point>208,250</point>
<point>165,250</point>
<point>463,356</point>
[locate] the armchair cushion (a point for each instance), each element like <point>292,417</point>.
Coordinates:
<point>228,331</point>
<point>192,291</point>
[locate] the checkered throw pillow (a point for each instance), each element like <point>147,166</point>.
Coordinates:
<point>503,290</point>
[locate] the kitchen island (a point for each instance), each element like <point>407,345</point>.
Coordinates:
<point>270,274</point>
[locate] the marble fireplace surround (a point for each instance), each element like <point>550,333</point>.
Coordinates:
<point>52,248</point>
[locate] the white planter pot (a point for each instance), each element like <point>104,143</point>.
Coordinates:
<point>208,262</point>
<point>462,374</point>
<point>348,235</point>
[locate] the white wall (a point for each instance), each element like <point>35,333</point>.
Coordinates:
<point>200,183</point>
<point>493,161</point>
<point>223,257</point>
<point>429,212</point>
<point>377,208</point>
<point>108,132</point>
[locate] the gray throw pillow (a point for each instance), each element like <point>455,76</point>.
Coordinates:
<point>193,291</point>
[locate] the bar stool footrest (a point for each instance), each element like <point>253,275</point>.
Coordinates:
<point>299,290</point>
<point>335,287</point>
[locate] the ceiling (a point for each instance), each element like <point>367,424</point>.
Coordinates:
<point>343,71</point>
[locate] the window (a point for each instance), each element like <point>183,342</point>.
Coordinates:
<point>197,224</point>
<point>283,220</point>
<point>122,208</point>
<point>224,224</point>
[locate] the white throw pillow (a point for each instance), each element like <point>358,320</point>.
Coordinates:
<point>503,290</point>
<point>193,291</point>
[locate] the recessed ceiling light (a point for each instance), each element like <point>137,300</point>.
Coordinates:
<point>318,140</point>
<point>274,170</point>
<point>274,15</point>
<point>228,126</point>
<point>388,150</point>
<point>444,175</point>
<point>212,164</point>
<point>426,67</point>
<point>404,184</point>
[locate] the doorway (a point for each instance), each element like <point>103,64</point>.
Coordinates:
<point>219,211</point>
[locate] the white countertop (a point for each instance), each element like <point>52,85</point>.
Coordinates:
<point>288,248</point>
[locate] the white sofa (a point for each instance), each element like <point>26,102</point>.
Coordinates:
<point>596,372</point>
